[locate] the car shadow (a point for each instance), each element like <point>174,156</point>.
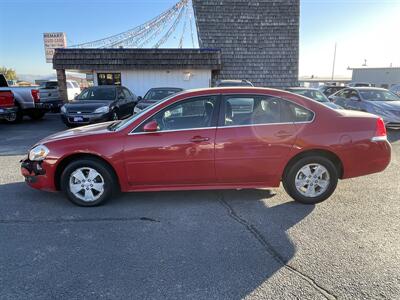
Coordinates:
<point>197,244</point>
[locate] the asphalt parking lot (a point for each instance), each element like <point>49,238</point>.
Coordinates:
<point>254,244</point>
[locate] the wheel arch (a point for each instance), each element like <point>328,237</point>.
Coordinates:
<point>317,152</point>
<point>70,158</point>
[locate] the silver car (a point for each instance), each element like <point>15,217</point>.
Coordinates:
<point>377,101</point>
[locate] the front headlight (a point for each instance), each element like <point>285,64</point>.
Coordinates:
<point>63,109</point>
<point>102,110</point>
<point>38,153</point>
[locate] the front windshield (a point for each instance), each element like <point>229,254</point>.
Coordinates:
<point>378,95</point>
<point>97,94</point>
<point>159,94</point>
<point>313,94</point>
<point>120,124</point>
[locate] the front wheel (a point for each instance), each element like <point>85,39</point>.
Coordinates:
<point>311,180</point>
<point>88,182</point>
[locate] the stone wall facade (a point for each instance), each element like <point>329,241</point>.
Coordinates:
<point>259,40</point>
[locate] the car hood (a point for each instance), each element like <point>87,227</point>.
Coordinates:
<point>86,106</point>
<point>145,103</point>
<point>89,130</point>
<point>387,105</point>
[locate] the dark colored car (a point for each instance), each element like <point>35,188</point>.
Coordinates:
<point>233,83</point>
<point>195,140</point>
<point>155,95</point>
<point>328,90</point>
<point>99,104</point>
<point>314,94</point>
<point>377,101</point>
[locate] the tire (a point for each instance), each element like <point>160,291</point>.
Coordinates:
<point>15,118</point>
<point>36,115</point>
<point>311,191</point>
<point>77,174</point>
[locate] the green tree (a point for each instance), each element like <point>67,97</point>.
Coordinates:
<point>10,74</point>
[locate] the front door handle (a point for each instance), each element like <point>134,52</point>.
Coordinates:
<point>283,134</point>
<point>199,139</point>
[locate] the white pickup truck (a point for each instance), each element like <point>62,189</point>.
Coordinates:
<point>50,96</point>
<point>26,102</point>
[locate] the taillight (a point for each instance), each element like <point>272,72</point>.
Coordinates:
<point>6,99</point>
<point>35,95</point>
<point>380,132</point>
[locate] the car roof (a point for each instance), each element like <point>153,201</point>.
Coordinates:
<point>301,89</point>
<point>166,88</point>
<point>367,88</point>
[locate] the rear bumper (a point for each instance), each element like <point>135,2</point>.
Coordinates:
<point>49,105</point>
<point>38,175</point>
<point>371,157</point>
<point>7,112</point>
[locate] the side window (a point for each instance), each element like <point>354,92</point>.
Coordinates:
<point>75,84</point>
<point>291,112</point>
<point>187,114</point>
<point>353,93</point>
<point>126,93</point>
<point>248,110</point>
<point>120,93</point>
<point>69,85</point>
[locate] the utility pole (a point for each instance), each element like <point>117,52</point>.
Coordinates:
<point>334,63</point>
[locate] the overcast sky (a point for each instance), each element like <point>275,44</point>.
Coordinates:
<point>362,29</point>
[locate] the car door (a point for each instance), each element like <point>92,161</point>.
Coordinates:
<point>180,152</point>
<point>254,136</point>
<point>353,100</point>
<point>122,102</point>
<point>130,102</point>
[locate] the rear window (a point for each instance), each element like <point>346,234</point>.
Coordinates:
<point>98,94</point>
<point>49,85</point>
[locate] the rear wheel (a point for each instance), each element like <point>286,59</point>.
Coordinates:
<point>311,180</point>
<point>88,182</point>
<point>15,117</point>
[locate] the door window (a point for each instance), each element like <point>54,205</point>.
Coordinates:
<point>126,93</point>
<point>121,95</point>
<point>188,114</point>
<point>353,93</point>
<point>256,110</point>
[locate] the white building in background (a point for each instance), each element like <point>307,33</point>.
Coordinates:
<point>379,77</point>
<point>140,81</point>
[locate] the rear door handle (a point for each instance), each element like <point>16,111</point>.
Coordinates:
<point>199,139</point>
<point>283,134</point>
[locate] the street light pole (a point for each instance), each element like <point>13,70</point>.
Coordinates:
<point>334,62</point>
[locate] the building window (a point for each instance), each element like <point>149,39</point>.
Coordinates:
<point>109,78</point>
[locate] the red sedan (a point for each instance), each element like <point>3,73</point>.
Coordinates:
<point>221,138</point>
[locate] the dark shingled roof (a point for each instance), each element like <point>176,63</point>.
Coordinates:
<point>128,59</point>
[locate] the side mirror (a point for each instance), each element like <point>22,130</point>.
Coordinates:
<point>139,98</point>
<point>152,126</point>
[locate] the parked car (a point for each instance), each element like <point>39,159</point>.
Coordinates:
<point>395,89</point>
<point>232,83</point>
<point>328,90</point>
<point>26,101</point>
<point>50,96</point>
<point>155,95</point>
<point>378,101</point>
<point>99,104</point>
<point>314,94</point>
<point>194,141</point>
<point>359,84</point>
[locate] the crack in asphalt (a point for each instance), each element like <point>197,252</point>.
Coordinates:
<point>270,249</point>
<point>64,220</point>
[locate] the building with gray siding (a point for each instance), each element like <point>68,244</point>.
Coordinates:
<point>259,40</point>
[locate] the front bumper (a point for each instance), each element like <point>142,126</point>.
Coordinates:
<point>84,119</point>
<point>7,112</point>
<point>38,175</point>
